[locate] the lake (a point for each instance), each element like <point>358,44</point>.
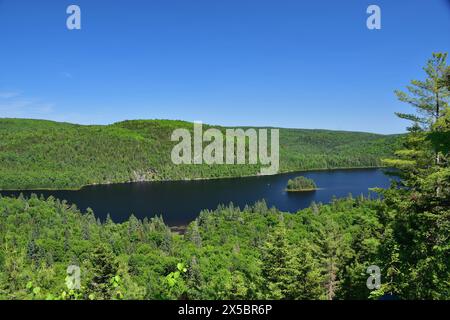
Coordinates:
<point>179,202</point>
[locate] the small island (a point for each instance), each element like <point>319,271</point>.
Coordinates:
<point>301,184</point>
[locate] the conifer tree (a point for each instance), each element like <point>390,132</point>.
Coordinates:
<point>105,267</point>
<point>307,275</point>
<point>420,216</point>
<point>277,263</point>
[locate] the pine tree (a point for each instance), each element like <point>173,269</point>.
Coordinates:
<point>307,275</point>
<point>32,248</point>
<point>104,267</point>
<point>193,234</point>
<point>330,242</point>
<point>420,219</point>
<point>429,97</point>
<point>277,264</point>
<point>194,278</point>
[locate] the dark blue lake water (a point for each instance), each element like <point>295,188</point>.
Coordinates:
<point>179,202</point>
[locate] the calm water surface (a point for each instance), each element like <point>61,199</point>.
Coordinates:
<point>179,202</point>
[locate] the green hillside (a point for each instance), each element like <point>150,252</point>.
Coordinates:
<point>227,253</point>
<point>44,154</point>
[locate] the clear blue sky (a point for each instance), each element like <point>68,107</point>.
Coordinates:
<point>302,64</point>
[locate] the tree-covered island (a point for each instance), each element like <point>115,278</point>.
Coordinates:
<point>300,184</point>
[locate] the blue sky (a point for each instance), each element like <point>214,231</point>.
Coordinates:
<point>301,64</point>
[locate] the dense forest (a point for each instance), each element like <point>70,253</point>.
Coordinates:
<point>258,252</point>
<point>318,253</point>
<point>38,154</point>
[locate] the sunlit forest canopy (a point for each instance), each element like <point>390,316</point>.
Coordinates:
<point>46,154</point>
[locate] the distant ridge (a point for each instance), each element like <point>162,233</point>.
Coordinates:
<point>40,154</point>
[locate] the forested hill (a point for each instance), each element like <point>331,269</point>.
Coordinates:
<point>45,154</point>
<point>257,253</point>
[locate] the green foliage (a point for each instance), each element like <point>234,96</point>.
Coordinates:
<point>277,267</point>
<point>417,244</point>
<point>430,96</point>
<point>104,273</point>
<point>175,282</point>
<point>38,154</point>
<point>256,253</point>
<point>301,184</point>
<point>253,253</point>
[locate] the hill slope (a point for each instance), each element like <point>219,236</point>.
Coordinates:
<point>44,154</point>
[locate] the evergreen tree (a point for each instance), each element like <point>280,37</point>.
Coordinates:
<point>193,234</point>
<point>194,278</point>
<point>307,275</point>
<point>429,97</point>
<point>277,264</point>
<point>104,269</point>
<point>331,245</point>
<point>418,265</point>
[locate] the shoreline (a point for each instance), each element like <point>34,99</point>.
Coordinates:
<point>301,190</point>
<point>189,179</point>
